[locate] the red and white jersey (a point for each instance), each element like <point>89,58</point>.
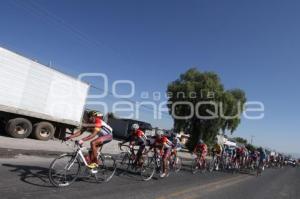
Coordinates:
<point>104,128</point>
<point>163,142</point>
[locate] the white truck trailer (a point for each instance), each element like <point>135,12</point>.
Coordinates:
<point>36,100</point>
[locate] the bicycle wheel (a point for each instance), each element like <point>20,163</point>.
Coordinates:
<point>222,165</point>
<point>158,164</point>
<point>227,164</point>
<point>203,166</point>
<point>125,162</point>
<point>195,166</point>
<point>147,169</point>
<point>107,169</point>
<point>177,164</point>
<point>211,165</point>
<point>64,170</point>
<point>237,167</point>
<point>259,169</point>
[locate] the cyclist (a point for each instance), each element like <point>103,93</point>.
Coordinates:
<point>164,145</point>
<point>281,160</point>
<point>97,127</point>
<point>201,151</point>
<point>239,156</point>
<point>137,138</point>
<point>262,159</point>
<point>228,154</point>
<point>253,158</point>
<point>272,159</point>
<point>217,152</point>
<point>246,157</point>
<point>176,143</point>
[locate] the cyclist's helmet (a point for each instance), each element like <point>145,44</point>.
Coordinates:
<point>135,127</point>
<point>159,133</point>
<point>95,114</point>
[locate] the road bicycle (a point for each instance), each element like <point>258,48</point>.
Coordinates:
<point>215,163</point>
<point>65,169</point>
<point>251,163</point>
<point>199,164</point>
<point>175,162</point>
<point>260,167</point>
<point>227,163</point>
<point>144,167</point>
<point>157,160</point>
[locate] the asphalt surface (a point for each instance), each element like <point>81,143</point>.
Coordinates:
<point>26,177</point>
<point>12,153</point>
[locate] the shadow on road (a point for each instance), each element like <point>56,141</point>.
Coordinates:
<point>128,174</point>
<point>33,175</point>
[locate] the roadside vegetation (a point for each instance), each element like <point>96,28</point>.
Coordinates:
<point>205,91</point>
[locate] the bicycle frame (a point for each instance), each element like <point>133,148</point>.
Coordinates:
<point>157,159</point>
<point>129,151</point>
<point>80,154</point>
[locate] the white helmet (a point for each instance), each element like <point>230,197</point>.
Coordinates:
<point>159,133</point>
<point>135,127</point>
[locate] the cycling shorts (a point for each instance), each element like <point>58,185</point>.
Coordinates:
<point>167,153</point>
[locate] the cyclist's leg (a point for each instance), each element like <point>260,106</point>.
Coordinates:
<point>172,155</point>
<point>140,152</point>
<point>165,159</point>
<point>175,152</point>
<point>218,161</point>
<point>197,160</point>
<point>142,145</point>
<point>236,161</point>
<point>94,146</point>
<point>201,162</point>
<point>198,156</point>
<point>203,159</point>
<point>98,142</point>
<point>132,143</point>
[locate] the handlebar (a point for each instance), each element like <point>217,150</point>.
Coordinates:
<point>123,145</point>
<point>68,142</point>
<point>120,147</point>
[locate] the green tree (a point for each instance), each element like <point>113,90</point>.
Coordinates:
<point>196,87</point>
<point>233,103</point>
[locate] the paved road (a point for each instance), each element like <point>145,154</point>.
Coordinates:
<point>26,177</point>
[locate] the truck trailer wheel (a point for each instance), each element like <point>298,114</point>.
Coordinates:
<point>19,128</point>
<point>43,131</point>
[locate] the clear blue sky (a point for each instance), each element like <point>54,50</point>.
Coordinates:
<point>252,45</point>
